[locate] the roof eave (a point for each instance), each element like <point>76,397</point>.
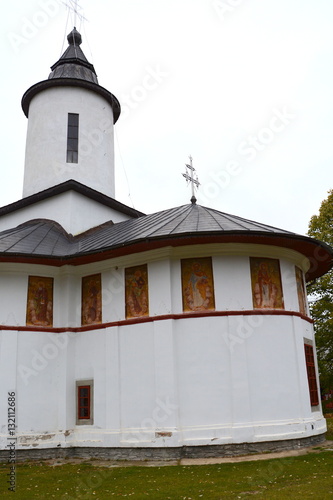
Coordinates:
<point>67,186</point>
<point>70,82</point>
<point>319,254</point>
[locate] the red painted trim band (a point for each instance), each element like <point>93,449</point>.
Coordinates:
<point>150,319</point>
<point>319,263</point>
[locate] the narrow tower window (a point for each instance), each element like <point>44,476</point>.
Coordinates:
<point>310,367</point>
<point>73,138</point>
<point>84,402</point>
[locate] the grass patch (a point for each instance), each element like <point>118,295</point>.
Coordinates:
<point>304,477</point>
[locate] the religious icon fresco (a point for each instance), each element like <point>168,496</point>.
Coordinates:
<point>136,291</point>
<point>197,284</point>
<point>40,301</point>
<point>301,291</point>
<point>91,300</point>
<point>266,283</point>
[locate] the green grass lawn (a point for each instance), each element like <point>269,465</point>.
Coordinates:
<point>308,476</point>
<point>303,477</point>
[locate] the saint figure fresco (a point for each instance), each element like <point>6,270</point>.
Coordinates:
<point>197,284</point>
<point>301,291</point>
<point>91,299</point>
<point>40,301</point>
<point>136,291</point>
<point>266,283</point>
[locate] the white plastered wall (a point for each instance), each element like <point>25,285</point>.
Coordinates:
<point>168,382</point>
<point>45,159</point>
<point>75,212</point>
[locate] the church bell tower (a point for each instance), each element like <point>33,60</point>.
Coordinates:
<point>70,126</point>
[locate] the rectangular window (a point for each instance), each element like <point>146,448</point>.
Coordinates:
<point>311,370</point>
<point>84,400</point>
<point>73,138</point>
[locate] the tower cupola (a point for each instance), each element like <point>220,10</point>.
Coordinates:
<point>73,63</point>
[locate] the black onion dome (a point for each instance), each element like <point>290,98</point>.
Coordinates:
<point>73,63</point>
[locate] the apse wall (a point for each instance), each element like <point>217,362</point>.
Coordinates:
<point>226,375</point>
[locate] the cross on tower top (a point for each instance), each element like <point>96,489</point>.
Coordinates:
<point>189,176</point>
<point>72,5</point>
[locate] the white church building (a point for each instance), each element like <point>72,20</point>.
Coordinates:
<point>181,333</point>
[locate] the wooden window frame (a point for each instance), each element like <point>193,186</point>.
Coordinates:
<point>86,420</point>
<point>312,375</point>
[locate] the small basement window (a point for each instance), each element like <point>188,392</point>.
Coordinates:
<point>73,138</point>
<point>84,402</point>
<point>311,370</point>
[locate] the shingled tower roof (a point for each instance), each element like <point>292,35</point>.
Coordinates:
<point>73,63</point>
<point>72,69</point>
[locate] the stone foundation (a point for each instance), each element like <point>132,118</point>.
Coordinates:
<point>176,453</point>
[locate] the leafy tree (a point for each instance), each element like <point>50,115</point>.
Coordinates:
<point>321,295</point>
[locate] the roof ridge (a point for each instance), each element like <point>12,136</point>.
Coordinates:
<point>50,227</point>
<point>25,236</point>
<point>217,222</point>
<point>238,217</point>
<point>189,207</point>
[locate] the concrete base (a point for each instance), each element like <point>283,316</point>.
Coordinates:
<point>176,453</point>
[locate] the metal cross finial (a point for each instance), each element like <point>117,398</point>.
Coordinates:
<point>73,5</point>
<point>189,176</point>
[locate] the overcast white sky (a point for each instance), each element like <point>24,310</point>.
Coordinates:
<point>245,87</point>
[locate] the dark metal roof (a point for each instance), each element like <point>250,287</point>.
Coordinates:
<point>185,225</point>
<point>37,237</point>
<point>180,221</point>
<point>73,63</point>
<point>74,70</point>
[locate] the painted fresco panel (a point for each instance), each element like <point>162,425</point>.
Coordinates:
<point>266,283</point>
<point>136,291</point>
<point>91,300</point>
<point>301,291</point>
<point>40,301</point>
<point>197,284</point>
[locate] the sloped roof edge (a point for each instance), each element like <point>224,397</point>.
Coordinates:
<point>68,186</point>
<point>43,241</point>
